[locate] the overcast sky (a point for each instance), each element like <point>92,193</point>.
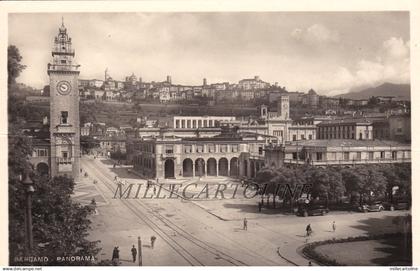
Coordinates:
<point>329,52</point>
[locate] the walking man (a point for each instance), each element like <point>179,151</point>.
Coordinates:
<point>333,226</point>
<point>245,224</point>
<point>134,253</point>
<point>308,230</point>
<point>152,241</point>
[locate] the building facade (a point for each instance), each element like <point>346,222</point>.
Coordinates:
<point>359,129</point>
<point>194,122</point>
<point>340,152</point>
<point>229,155</point>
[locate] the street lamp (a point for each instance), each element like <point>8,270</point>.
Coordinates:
<point>29,190</point>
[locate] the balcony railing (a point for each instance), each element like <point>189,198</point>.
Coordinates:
<point>64,160</point>
<point>65,129</point>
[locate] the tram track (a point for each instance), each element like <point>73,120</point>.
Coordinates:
<point>181,236</point>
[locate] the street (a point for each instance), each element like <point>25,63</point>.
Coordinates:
<point>189,234</point>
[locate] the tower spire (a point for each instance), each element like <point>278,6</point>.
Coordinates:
<point>62,21</point>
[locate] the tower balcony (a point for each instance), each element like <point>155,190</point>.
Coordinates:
<point>64,129</point>
<point>64,160</point>
<point>63,68</point>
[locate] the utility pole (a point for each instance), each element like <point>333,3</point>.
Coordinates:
<point>139,249</point>
<point>29,190</point>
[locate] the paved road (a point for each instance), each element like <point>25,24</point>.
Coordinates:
<point>189,235</point>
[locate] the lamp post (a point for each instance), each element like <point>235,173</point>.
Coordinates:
<point>29,190</point>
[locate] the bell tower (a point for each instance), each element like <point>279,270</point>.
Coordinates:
<point>64,108</point>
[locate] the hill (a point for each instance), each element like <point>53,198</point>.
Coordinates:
<point>401,91</point>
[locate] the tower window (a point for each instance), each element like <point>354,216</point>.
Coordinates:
<point>63,61</point>
<point>64,117</point>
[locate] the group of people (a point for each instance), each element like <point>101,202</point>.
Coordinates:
<point>116,252</point>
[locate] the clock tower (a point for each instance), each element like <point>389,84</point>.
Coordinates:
<point>64,108</point>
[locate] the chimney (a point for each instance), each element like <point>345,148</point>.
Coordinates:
<point>204,82</point>
<point>257,78</point>
<point>169,79</point>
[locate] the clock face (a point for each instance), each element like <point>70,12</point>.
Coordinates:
<point>63,87</point>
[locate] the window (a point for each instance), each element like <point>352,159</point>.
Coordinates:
<point>371,155</point>
<point>63,61</point>
<point>319,156</point>
<point>302,137</point>
<point>187,149</point>
<point>358,156</point>
<point>64,154</point>
<point>310,137</point>
<point>260,150</point>
<point>169,149</point>
<point>394,155</point>
<point>211,148</point>
<point>295,156</point>
<point>382,155</point>
<point>223,148</point>
<point>64,116</point>
<point>346,155</point>
<point>294,137</point>
<point>234,148</point>
<point>360,136</point>
<point>200,148</point>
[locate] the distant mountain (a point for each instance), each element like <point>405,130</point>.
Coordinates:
<point>401,91</point>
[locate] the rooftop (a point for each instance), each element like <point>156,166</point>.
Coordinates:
<point>345,121</point>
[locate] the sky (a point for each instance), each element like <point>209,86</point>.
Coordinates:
<point>330,52</point>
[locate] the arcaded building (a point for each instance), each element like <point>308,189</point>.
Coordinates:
<point>229,154</point>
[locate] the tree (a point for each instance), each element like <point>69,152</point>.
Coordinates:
<point>366,181</point>
<point>60,226</point>
<point>14,67</point>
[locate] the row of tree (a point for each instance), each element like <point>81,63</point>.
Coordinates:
<point>359,183</point>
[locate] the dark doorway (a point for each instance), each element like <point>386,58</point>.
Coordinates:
<point>223,167</point>
<point>211,167</point>
<point>199,167</point>
<point>169,169</point>
<point>187,168</point>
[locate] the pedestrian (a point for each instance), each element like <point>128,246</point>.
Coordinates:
<point>154,190</point>
<point>333,226</point>
<point>114,256</point>
<point>310,263</point>
<point>308,230</point>
<point>259,207</point>
<point>134,253</point>
<point>115,179</point>
<point>152,241</point>
<point>245,224</point>
<point>114,165</point>
<point>117,255</point>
